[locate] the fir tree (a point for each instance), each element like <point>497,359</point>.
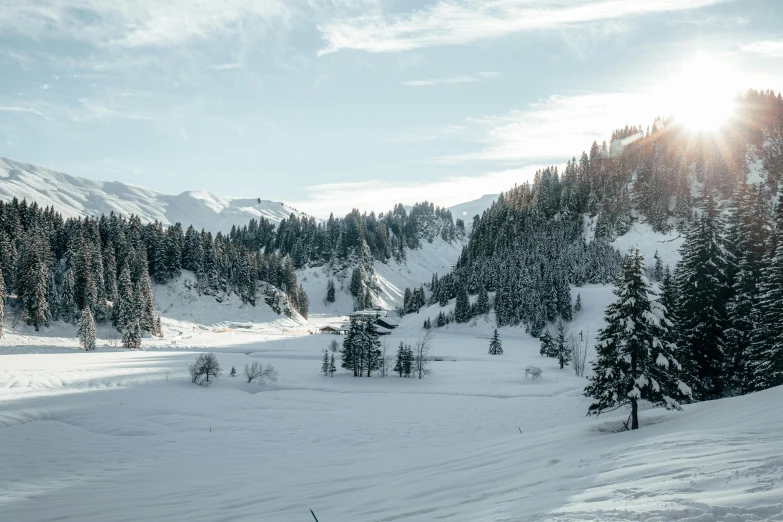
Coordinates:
<point>578,304</point>
<point>482,303</point>
<point>2,304</point>
<point>561,348</point>
<point>495,346</point>
<point>325,363</point>
<point>764,362</point>
<point>701,314</point>
<point>332,367</point>
<point>634,361</point>
<point>330,291</point>
<point>86,330</point>
<point>548,348</point>
<point>399,361</point>
<point>462,306</point>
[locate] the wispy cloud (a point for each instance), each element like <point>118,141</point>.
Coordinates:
<point>471,78</point>
<point>552,129</point>
<point>380,195</point>
<point>766,48</point>
<point>464,21</point>
<point>135,23</point>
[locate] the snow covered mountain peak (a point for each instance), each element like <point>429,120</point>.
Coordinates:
<point>74,196</point>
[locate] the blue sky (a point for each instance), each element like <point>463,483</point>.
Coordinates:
<point>333,104</point>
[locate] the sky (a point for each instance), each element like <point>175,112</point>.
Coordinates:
<point>329,105</point>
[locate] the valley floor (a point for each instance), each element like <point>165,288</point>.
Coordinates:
<point>123,436</point>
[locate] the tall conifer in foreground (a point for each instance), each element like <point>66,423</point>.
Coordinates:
<point>635,362</point>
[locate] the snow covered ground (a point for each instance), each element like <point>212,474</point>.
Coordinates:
<point>73,196</point>
<point>117,435</point>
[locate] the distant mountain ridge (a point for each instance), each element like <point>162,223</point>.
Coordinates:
<point>75,196</point>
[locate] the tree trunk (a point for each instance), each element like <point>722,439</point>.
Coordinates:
<point>634,414</point>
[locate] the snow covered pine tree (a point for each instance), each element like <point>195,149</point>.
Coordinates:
<point>634,361</point>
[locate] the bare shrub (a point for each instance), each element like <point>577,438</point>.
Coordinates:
<point>386,361</point>
<point>578,348</point>
<point>421,355</point>
<point>260,373</point>
<point>334,345</point>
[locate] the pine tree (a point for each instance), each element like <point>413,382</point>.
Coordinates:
<point>122,310</point>
<point>351,355</point>
<point>371,347</point>
<point>399,361</point>
<point>2,304</point>
<point>332,367</point>
<point>86,330</point>
<point>325,363</point>
<point>407,361</point>
<point>330,291</point>
<point>482,303</point>
<point>701,314</point>
<point>578,304</point>
<point>634,361</point>
<point>764,362</point>
<point>462,306</point>
<point>547,345</point>
<point>495,346</point>
<point>561,348</point>
<point>68,310</point>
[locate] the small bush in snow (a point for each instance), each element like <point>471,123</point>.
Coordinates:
<point>206,366</point>
<point>260,373</point>
<point>334,346</point>
<point>233,372</point>
<point>533,371</point>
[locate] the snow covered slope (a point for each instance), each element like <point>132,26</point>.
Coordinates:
<point>391,277</point>
<point>123,436</point>
<point>73,196</point>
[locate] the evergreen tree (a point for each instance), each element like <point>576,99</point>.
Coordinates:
<point>701,314</point>
<point>371,347</point>
<point>634,361</point>
<point>548,347</point>
<point>351,350</point>
<point>763,366</point>
<point>67,297</point>
<point>482,303</point>
<point>86,330</point>
<point>561,348</point>
<point>495,346</point>
<point>325,363</point>
<point>2,304</point>
<point>399,361</point>
<point>407,361</point>
<point>578,304</point>
<point>462,306</point>
<point>122,311</point>
<point>330,291</point>
<point>332,367</point>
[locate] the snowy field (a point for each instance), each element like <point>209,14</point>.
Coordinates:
<point>124,436</point>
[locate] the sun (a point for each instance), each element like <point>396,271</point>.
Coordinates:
<point>700,95</point>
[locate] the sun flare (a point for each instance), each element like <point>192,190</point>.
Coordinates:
<point>700,95</point>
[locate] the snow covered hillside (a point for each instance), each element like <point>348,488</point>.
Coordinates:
<point>118,435</point>
<point>391,277</point>
<point>73,196</point>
